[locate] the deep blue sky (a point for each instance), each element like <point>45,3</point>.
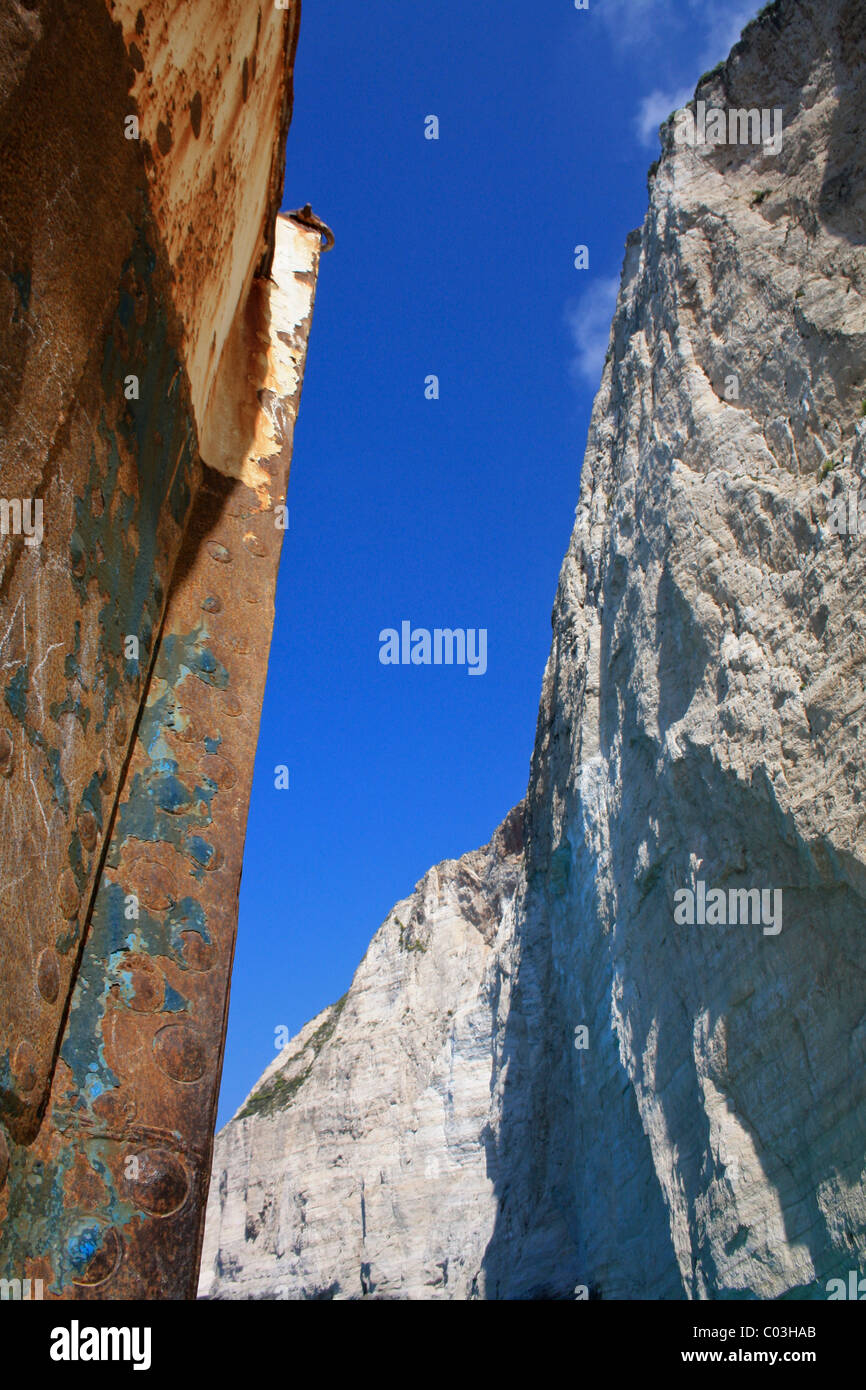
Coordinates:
<point>456,258</point>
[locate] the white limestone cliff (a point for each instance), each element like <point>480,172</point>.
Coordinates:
<point>357,1165</point>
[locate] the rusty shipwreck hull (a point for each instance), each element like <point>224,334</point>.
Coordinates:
<point>154,318</point>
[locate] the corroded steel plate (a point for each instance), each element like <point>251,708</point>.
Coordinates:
<point>108,1201</point>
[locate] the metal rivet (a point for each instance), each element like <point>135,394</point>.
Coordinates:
<point>115,1109</point>
<point>155,886</point>
<point>218,552</point>
<point>144,983</point>
<point>161,1184</point>
<point>120,727</point>
<point>253,544</point>
<point>24,1065</point>
<point>48,975</point>
<point>212,604</point>
<point>220,770</point>
<point>198,954</point>
<point>178,1052</point>
<point>232,705</point>
<point>87,829</point>
<point>95,1251</point>
<point>104,772</point>
<point>67,894</point>
<point>5,754</point>
<point>235,642</point>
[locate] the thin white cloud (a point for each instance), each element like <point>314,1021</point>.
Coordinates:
<point>645,21</point>
<point>588,321</point>
<point>723,29</point>
<point>656,108</point>
<point>632,22</point>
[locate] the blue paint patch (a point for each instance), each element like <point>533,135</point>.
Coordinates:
<point>15,693</point>
<point>200,850</point>
<point>54,778</point>
<point>70,706</point>
<point>71,665</point>
<point>82,1246</point>
<point>187,915</point>
<point>169,793</point>
<point>91,797</point>
<point>174,1003</point>
<point>76,861</point>
<point>23,284</point>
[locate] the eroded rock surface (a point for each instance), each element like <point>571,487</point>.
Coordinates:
<point>358,1164</point>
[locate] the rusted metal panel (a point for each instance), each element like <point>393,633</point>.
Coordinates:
<point>211,86</point>
<point>122,270</point>
<point>108,1201</point>
<point>85,307</point>
<point>139,356</point>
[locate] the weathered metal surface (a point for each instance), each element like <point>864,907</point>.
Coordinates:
<point>108,1202</point>
<point>151,263</point>
<point>85,304</point>
<point>210,85</point>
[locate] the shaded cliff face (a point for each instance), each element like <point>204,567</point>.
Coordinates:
<point>676,1108</point>
<point>699,723</point>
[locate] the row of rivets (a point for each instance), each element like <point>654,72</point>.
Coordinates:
<point>158,1181</point>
